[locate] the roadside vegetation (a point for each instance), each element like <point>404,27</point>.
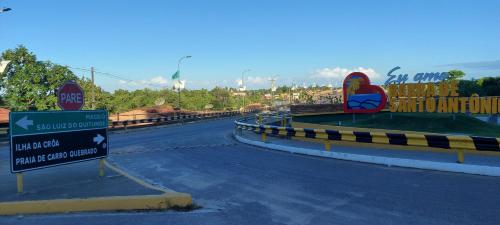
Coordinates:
<point>30,84</point>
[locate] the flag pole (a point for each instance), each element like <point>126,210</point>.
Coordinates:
<point>179,84</point>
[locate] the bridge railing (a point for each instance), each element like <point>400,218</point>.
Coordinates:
<point>176,118</point>
<point>456,143</point>
<point>271,118</point>
<point>125,124</point>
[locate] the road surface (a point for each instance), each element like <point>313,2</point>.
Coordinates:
<point>234,183</point>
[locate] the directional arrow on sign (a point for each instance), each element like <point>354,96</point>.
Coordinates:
<point>98,139</point>
<point>24,122</point>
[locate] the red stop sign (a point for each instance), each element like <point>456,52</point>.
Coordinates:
<point>70,96</point>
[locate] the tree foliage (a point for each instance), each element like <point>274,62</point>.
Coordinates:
<point>29,84</point>
<point>455,74</point>
<point>488,86</point>
<point>95,96</point>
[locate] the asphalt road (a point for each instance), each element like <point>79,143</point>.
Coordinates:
<point>235,183</point>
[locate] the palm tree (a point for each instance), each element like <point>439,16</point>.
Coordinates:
<point>353,86</point>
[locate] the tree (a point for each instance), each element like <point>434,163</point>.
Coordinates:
<point>455,74</point>
<point>102,98</point>
<point>220,98</point>
<point>121,100</point>
<point>490,86</point>
<point>29,84</point>
<point>468,87</point>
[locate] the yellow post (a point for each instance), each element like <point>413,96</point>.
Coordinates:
<point>284,121</point>
<point>260,119</point>
<point>460,156</point>
<point>101,167</point>
<point>264,136</point>
<point>328,145</point>
<point>19,183</point>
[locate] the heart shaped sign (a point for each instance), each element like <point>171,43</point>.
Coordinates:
<point>362,97</point>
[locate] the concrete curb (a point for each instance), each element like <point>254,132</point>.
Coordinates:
<point>400,162</point>
<point>141,202</point>
<point>169,199</point>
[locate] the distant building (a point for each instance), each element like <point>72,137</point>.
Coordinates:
<point>4,115</point>
<point>239,93</point>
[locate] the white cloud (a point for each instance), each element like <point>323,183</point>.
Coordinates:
<point>338,74</point>
<point>157,81</point>
<point>253,80</point>
<point>257,80</point>
<point>129,83</point>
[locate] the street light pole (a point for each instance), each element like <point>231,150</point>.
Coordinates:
<point>5,10</point>
<point>243,85</point>
<point>273,89</point>
<point>179,80</point>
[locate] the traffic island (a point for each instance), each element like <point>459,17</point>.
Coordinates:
<point>78,188</point>
<point>401,156</point>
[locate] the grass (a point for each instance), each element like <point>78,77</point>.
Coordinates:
<point>423,122</point>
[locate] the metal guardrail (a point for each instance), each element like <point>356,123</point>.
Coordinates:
<point>158,120</point>
<point>460,143</point>
<point>278,118</point>
<point>125,123</point>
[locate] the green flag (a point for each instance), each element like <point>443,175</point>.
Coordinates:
<point>176,75</point>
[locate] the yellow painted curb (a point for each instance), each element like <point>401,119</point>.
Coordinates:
<point>372,145</point>
<point>326,113</point>
<point>168,199</point>
<point>362,129</point>
<point>141,202</point>
<point>390,147</point>
<point>318,114</point>
<point>135,179</point>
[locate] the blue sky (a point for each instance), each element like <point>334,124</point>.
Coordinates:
<point>298,41</point>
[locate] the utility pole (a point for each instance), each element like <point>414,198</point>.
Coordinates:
<point>243,88</point>
<point>93,86</point>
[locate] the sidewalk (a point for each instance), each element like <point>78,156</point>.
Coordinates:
<point>77,187</point>
<point>423,159</point>
<point>79,180</point>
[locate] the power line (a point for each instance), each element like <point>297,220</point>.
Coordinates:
<point>102,73</point>
<point>114,76</point>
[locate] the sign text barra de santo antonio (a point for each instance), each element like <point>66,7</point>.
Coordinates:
<point>439,97</point>
<point>43,139</point>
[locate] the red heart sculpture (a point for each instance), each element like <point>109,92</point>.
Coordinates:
<point>362,97</point>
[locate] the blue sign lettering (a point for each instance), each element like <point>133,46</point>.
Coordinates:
<point>419,77</point>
